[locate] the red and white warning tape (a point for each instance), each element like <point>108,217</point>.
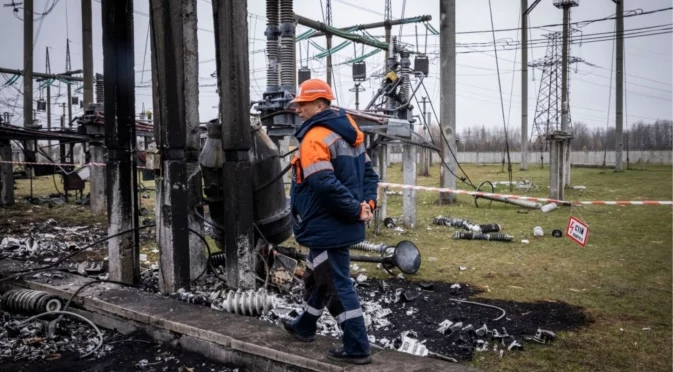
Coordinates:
<point>519,197</point>
<point>55,164</point>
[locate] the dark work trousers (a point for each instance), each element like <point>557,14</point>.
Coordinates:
<point>328,283</point>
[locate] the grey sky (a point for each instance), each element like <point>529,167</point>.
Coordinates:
<point>648,59</point>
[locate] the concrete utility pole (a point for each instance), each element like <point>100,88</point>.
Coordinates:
<point>28,66</point>
<point>232,36</point>
<point>447,104</point>
<point>559,161</point>
<point>30,146</point>
<point>87,53</point>
<point>524,85</point>
<point>97,201</point>
<point>6,174</point>
<point>177,124</point>
<point>619,77</point>
<point>120,140</point>
<point>425,163</point>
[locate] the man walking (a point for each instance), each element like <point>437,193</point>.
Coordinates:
<point>333,195</point>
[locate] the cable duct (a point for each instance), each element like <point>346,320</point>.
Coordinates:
<point>287,46</point>
<point>272,32</point>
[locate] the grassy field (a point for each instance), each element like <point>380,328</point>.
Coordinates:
<point>622,278</point>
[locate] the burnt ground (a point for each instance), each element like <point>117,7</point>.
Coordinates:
<point>431,307</point>
<point>419,308</point>
<point>137,352</point>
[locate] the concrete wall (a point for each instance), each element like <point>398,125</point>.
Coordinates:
<point>578,157</point>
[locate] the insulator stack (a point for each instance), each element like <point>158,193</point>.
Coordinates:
<point>218,259</point>
<point>498,237</point>
<point>100,90</point>
<point>271,32</point>
<point>288,71</point>
<point>30,302</point>
<point>368,247</point>
<point>489,228</point>
<point>244,302</point>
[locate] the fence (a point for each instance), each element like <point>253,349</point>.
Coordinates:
<point>577,157</point>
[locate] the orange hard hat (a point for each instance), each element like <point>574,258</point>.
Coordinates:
<point>312,89</point>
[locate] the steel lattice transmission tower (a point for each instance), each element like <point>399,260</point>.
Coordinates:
<point>548,109</point>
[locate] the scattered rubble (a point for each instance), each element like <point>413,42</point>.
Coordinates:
<point>427,319</point>
<point>39,346</point>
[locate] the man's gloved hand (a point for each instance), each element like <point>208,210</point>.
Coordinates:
<point>366,214</point>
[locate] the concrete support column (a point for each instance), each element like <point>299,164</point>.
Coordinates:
<point>409,178</point>
<point>447,104</point>
<point>6,174</point>
<point>556,168</point>
<point>120,140</point>
<point>234,89</point>
<point>176,118</point>
<point>97,194</point>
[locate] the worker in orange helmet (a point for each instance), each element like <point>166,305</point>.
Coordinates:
<point>333,195</point>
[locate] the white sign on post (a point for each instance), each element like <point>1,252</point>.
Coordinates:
<point>577,231</point>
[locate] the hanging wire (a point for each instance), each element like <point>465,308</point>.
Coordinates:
<point>502,104</point>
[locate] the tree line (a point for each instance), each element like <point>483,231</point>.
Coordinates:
<point>640,136</point>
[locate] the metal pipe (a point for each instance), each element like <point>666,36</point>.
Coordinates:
<point>385,23</point>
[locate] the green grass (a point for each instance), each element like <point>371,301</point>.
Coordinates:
<point>622,278</point>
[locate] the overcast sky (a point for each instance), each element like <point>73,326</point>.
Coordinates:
<point>648,59</point>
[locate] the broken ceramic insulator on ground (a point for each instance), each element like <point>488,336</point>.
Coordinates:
<point>498,237</point>
<point>543,336</point>
<point>28,301</point>
<point>245,303</point>
<point>538,232</point>
<point>548,207</point>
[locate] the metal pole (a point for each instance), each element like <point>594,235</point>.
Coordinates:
<point>28,81</point>
<point>69,105</point>
<point>524,85</point>
<point>49,115</point>
<point>87,52</point>
<point>447,79</point>
<point>329,60</point>
<point>619,77</point>
<point>232,36</point>
<point>42,75</point>
<point>120,139</point>
<point>565,102</point>
<point>385,23</point>
<point>28,64</point>
<point>176,53</point>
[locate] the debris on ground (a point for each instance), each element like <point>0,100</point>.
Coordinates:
<point>38,346</point>
<point>426,318</point>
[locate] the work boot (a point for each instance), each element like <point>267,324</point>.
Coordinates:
<point>285,324</point>
<point>339,355</point>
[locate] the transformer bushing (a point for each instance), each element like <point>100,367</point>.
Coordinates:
<point>271,33</point>
<point>281,72</point>
<point>287,46</point>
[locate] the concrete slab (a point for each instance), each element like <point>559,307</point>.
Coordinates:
<point>109,304</point>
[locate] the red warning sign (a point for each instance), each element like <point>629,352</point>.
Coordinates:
<point>577,231</point>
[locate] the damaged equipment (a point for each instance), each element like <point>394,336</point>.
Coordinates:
<point>405,255</point>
